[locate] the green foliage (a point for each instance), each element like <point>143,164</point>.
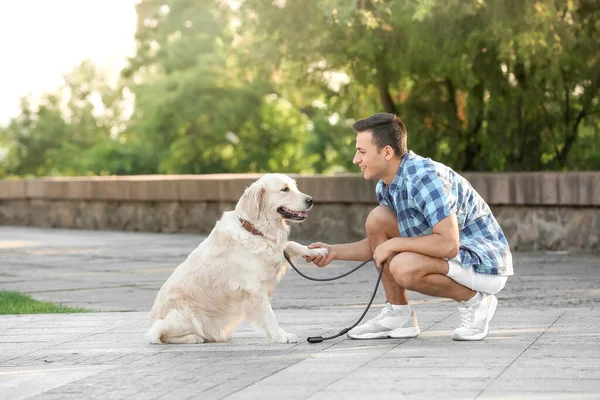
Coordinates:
<point>17,303</point>
<point>62,133</point>
<point>275,86</point>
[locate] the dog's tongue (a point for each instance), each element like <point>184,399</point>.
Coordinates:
<point>298,213</point>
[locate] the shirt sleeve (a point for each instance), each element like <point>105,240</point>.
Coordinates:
<point>434,196</point>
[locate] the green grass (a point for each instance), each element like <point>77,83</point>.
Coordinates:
<point>17,303</point>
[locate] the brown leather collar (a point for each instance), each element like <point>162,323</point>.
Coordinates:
<point>250,228</point>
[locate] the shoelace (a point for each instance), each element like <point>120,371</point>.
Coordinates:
<point>467,317</point>
<point>379,317</point>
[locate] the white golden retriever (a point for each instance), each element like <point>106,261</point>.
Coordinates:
<point>230,276</point>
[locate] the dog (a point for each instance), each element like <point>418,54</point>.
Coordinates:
<point>230,276</point>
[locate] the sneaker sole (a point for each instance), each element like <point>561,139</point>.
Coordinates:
<point>479,336</point>
<point>400,333</point>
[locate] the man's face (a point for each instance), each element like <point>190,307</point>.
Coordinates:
<point>371,162</point>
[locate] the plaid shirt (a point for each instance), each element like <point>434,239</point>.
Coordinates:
<point>424,192</point>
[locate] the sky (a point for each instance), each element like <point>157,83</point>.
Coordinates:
<point>42,39</point>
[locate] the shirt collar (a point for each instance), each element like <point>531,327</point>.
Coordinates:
<point>399,174</point>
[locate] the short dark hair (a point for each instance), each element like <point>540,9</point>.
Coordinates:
<point>386,129</point>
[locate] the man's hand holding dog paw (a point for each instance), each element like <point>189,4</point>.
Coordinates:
<point>317,252</point>
<point>321,258</point>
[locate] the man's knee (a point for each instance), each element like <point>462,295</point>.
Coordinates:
<point>381,219</point>
<point>404,271</point>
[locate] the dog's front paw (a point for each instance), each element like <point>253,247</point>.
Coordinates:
<point>285,338</point>
<point>317,252</point>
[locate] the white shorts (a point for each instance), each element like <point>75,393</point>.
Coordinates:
<point>486,283</point>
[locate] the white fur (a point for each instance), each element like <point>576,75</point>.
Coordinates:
<point>230,276</point>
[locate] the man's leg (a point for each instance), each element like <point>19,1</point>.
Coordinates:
<point>427,275</point>
<point>381,226</point>
<point>396,320</point>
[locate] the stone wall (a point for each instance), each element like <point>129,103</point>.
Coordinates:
<point>537,211</point>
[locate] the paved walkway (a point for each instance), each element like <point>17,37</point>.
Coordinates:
<point>544,341</point>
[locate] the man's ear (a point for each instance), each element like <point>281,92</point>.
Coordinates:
<point>389,152</point>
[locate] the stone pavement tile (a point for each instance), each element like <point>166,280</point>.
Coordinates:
<point>539,396</point>
<point>313,378</point>
<point>139,328</point>
<point>42,357</point>
<point>408,363</point>
<point>114,383</point>
<point>119,298</point>
<point>72,323</point>
<point>400,373</point>
<point>452,349</point>
<point>445,395</point>
<point>61,396</point>
<point>12,321</point>
<point>513,335</point>
<point>269,391</point>
<point>507,327</point>
<point>48,285</point>
<point>22,361</point>
<point>405,383</point>
<point>348,394</point>
<point>569,337</point>
<point>196,389</point>
<point>351,348</point>
<point>48,337</point>
<point>546,384</point>
<point>582,312</point>
<point>583,350</point>
<point>21,383</point>
<point>11,351</point>
<point>35,332</point>
<point>560,368</point>
<point>117,337</point>
<point>234,381</point>
<point>375,395</point>
<point>93,392</point>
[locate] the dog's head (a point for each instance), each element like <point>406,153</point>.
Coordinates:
<point>274,196</point>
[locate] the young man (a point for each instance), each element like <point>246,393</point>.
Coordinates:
<point>433,231</point>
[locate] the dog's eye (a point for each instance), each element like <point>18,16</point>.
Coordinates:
<point>285,189</point>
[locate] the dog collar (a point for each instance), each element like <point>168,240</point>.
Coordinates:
<point>250,228</point>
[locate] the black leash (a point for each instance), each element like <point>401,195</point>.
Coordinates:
<point>318,339</point>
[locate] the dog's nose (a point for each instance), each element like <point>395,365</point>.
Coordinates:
<point>309,201</point>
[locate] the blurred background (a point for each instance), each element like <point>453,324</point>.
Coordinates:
<point>124,87</point>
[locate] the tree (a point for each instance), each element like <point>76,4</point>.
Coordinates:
<point>201,107</point>
<point>481,85</point>
<point>53,137</point>
<point>258,86</point>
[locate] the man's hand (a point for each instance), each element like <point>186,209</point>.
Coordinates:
<point>321,261</point>
<point>383,252</point>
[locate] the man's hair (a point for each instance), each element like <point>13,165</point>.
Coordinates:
<point>386,130</point>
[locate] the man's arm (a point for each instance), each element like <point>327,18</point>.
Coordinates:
<point>357,251</point>
<point>444,242</point>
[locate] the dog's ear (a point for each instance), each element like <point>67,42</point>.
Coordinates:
<point>252,202</point>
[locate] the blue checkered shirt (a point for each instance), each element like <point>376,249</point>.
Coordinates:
<point>424,192</point>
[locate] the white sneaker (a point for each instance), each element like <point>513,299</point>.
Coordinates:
<point>388,324</point>
<point>476,318</point>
